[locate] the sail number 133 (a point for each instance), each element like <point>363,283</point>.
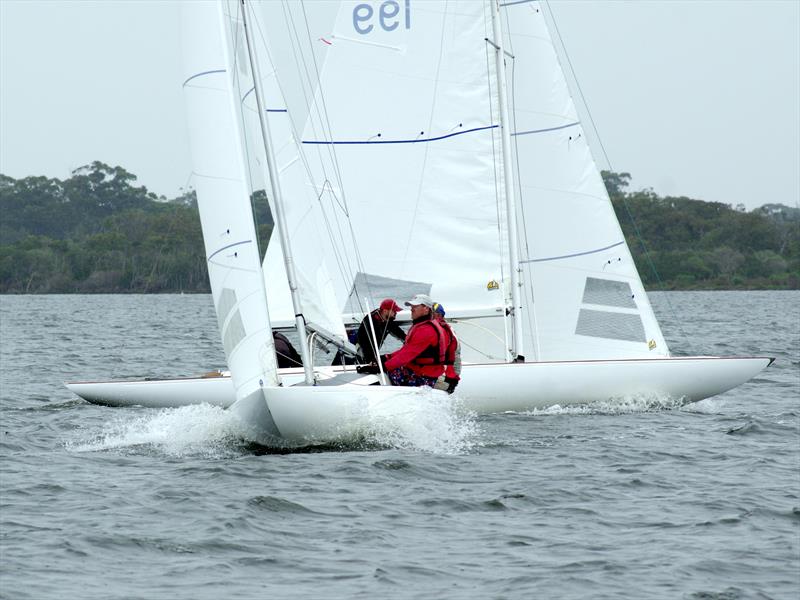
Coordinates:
<point>389,16</point>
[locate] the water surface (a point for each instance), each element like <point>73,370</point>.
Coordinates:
<point>623,500</point>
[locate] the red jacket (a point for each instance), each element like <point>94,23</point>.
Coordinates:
<point>424,338</point>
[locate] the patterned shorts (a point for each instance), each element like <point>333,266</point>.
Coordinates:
<point>405,376</point>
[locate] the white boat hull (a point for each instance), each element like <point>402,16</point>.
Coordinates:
<point>485,388</point>
<point>310,415</point>
<point>506,387</point>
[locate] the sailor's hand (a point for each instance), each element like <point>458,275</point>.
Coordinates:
<point>371,369</point>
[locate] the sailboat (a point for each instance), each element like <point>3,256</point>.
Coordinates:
<point>436,150</point>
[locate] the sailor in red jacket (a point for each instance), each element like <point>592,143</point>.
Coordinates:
<point>422,358</point>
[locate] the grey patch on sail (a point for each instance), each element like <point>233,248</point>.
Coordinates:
<point>233,332</point>
<point>611,325</point>
<point>377,288</point>
<point>227,300</point>
<point>608,292</point>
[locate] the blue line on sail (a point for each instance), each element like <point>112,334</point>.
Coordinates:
<point>546,130</point>
<point>416,141</point>
<point>269,110</point>
<point>435,139</point>
<point>228,246</point>
<point>535,260</point>
<point>513,2</point>
<point>201,74</point>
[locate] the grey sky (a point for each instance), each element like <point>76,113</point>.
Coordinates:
<point>692,98</point>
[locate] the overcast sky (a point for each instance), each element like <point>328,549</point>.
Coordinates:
<point>695,98</point>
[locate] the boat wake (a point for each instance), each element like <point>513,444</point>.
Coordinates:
<point>638,403</point>
<point>202,430</point>
<point>427,422</point>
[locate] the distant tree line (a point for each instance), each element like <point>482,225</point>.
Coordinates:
<point>680,243</point>
<point>97,232</point>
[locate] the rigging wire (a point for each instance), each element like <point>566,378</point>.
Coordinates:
<point>236,35</point>
<point>301,155</point>
<point>628,211</point>
<point>335,162</point>
<point>484,329</point>
<point>346,269</point>
<point>341,255</point>
<point>186,189</point>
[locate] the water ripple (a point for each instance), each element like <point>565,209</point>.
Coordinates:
<point>638,498</point>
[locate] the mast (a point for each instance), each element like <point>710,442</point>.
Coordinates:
<point>280,218</point>
<point>508,177</point>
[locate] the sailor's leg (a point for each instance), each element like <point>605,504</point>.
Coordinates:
<point>400,375</point>
<point>420,380</point>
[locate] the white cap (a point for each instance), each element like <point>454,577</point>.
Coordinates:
<point>420,299</point>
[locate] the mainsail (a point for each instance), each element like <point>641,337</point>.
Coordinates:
<point>403,152</point>
<point>400,153</point>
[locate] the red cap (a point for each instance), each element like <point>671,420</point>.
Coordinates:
<point>390,304</point>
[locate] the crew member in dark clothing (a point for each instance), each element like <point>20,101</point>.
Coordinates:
<point>287,355</point>
<point>384,325</point>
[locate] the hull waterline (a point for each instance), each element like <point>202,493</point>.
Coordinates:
<point>485,388</point>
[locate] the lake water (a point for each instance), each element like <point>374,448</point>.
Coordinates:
<point>615,501</point>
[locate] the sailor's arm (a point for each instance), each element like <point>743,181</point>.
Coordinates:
<point>414,346</point>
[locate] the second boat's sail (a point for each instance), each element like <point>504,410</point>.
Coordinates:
<point>223,198</point>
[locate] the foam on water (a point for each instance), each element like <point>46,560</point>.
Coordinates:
<point>429,422</point>
<point>418,420</point>
<point>635,403</point>
<point>709,406</point>
<point>421,420</point>
<point>191,430</point>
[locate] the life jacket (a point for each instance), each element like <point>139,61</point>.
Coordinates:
<point>450,354</point>
<point>433,355</point>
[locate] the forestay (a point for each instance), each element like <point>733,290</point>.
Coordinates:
<point>317,298</point>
